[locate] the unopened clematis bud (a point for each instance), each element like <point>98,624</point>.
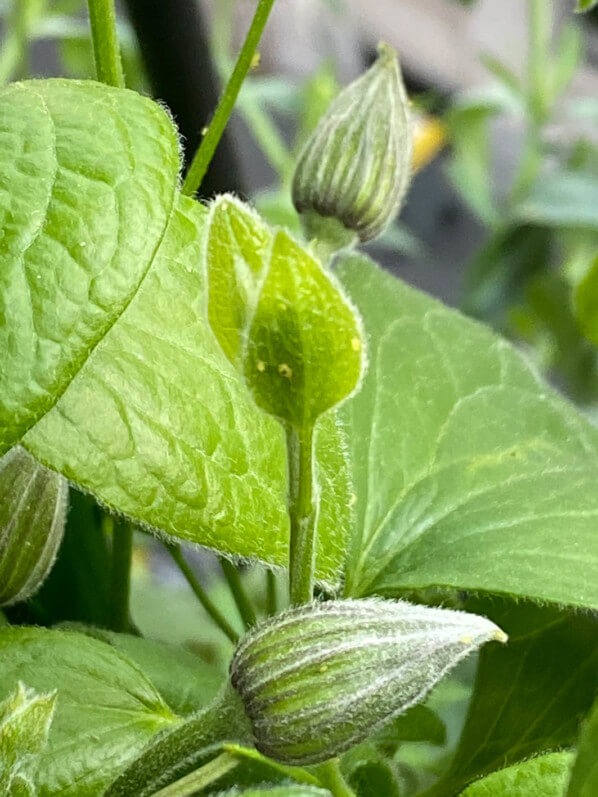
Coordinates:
<point>354,170</point>
<point>33,503</point>
<point>323,677</point>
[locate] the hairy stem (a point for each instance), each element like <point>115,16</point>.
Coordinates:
<point>302,513</point>
<point>271,593</point>
<point>102,18</point>
<point>202,777</point>
<point>176,753</point>
<point>331,778</point>
<point>201,594</point>
<point>242,602</point>
<point>120,578</point>
<point>206,150</point>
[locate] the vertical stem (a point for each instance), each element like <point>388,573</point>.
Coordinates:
<point>302,513</point>
<point>102,17</point>
<point>201,594</point>
<point>271,594</point>
<point>332,779</point>
<point>243,603</point>
<point>206,150</point>
<point>540,29</point>
<point>122,549</point>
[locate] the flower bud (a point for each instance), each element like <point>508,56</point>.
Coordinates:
<point>356,165</point>
<point>33,502</point>
<point>321,678</point>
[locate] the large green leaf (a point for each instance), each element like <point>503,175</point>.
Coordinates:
<point>584,776</point>
<point>530,694</point>
<point>545,776</point>
<point>139,405</point>
<point>106,708</point>
<point>183,679</point>
<point>469,472</point>
<point>88,180</point>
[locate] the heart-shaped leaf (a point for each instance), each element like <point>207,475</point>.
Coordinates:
<point>469,472</point>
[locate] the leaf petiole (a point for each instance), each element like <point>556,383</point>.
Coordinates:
<point>120,586</point>
<point>202,777</point>
<point>244,607</point>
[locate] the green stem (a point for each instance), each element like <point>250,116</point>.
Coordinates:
<point>201,594</point>
<point>233,580</point>
<point>271,593</point>
<point>331,778</point>
<point>204,154</point>
<point>102,18</point>
<point>540,30</point>
<point>173,755</point>
<point>120,586</point>
<point>302,513</point>
<point>202,777</point>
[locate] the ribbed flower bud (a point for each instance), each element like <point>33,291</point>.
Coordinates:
<point>33,502</point>
<point>321,678</point>
<point>356,165</point>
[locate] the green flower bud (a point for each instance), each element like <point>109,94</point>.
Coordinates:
<point>321,678</point>
<point>356,165</point>
<point>33,503</point>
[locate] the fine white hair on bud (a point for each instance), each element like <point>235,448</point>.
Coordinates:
<point>323,677</point>
<point>356,165</point>
<point>33,505</point>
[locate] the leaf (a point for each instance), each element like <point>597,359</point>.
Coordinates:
<point>586,303</point>
<point>418,724</point>
<point>545,776</point>
<point>528,695</point>
<point>160,427</point>
<point>561,199</point>
<point>106,709</point>
<point>304,348</point>
<point>83,214</point>
<point>585,5</point>
<point>584,775</point>
<point>470,169</point>
<point>33,506</point>
<point>182,678</point>
<point>468,471</point>
<point>374,778</point>
<point>25,719</point>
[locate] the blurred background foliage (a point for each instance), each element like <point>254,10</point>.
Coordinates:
<point>501,220</point>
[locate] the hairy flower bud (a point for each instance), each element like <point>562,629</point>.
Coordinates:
<point>356,165</point>
<point>321,678</point>
<point>33,502</point>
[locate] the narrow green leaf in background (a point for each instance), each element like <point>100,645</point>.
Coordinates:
<point>561,199</point>
<point>545,776</point>
<point>468,471</point>
<point>106,708</point>
<point>585,5</point>
<point>584,775</point>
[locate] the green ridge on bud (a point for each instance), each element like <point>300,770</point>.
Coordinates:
<point>33,503</point>
<point>354,170</point>
<point>323,677</point>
